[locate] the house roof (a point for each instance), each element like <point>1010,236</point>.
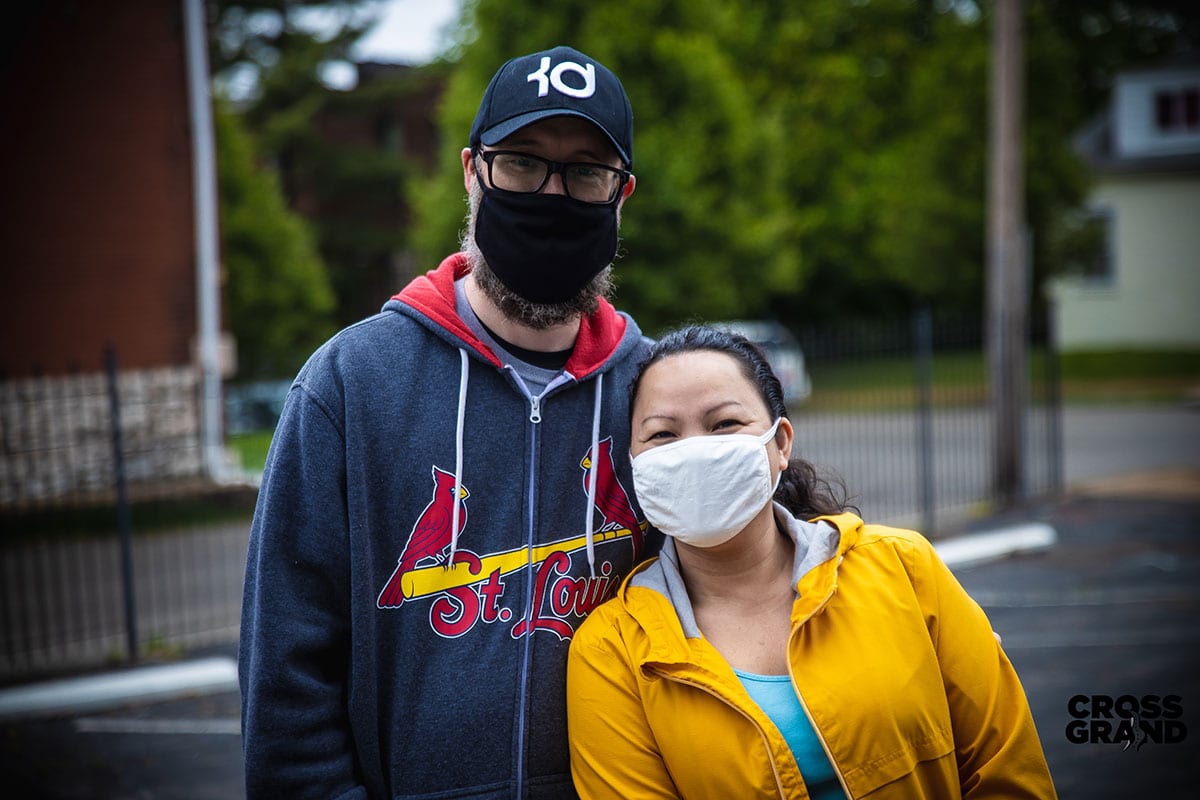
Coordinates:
<point>1096,141</point>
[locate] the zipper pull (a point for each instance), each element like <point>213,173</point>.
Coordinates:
<point>535,409</point>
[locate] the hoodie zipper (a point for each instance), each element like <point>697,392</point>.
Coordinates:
<point>535,417</point>
<point>750,719</point>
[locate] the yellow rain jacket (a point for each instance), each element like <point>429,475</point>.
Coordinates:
<point>895,665</point>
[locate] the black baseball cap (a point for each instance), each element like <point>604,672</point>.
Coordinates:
<point>561,82</point>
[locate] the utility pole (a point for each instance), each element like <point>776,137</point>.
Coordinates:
<point>1007,279</point>
<point>204,195</point>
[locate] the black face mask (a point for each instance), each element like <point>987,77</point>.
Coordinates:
<point>545,247</point>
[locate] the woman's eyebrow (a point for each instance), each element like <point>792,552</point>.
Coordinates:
<point>666,417</point>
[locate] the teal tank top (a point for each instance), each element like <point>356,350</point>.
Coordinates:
<point>774,695</point>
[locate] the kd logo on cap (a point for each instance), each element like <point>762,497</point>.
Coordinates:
<point>520,94</point>
<point>555,79</point>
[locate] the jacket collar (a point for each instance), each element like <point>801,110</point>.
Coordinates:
<point>432,294</point>
<point>656,597</point>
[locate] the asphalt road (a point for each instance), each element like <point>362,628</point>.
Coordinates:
<point>1112,610</point>
<point>876,454</point>
<point>191,580</point>
<point>186,749</point>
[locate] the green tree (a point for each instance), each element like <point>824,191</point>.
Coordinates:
<point>274,52</point>
<point>877,164</point>
<point>277,296</point>
<point>784,151</point>
<point>703,229</point>
<point>339,162</point>
<point>818,160</point>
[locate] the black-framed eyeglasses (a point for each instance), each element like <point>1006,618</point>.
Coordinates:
<point>513,171</point>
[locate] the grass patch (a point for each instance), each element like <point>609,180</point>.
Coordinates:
<point>949,369</point>
<point>146,516</point>
<point>1117,391</point>
<point>1121,365</point>
<point>885,383</point>
<point>251,449</point>
<point>173,507</point>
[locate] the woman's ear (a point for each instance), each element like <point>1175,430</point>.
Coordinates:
<point>784,436</point>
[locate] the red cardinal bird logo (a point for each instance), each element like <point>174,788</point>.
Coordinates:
<point>430,535</point>
<point>611,498</point>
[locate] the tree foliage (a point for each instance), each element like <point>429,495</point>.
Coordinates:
<point>701,229</point>
<point>276,55</point>
<point>816,160</point>
<point>277,297</point>
<point>278,48</point>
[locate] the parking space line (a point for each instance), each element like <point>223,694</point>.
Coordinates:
<point>158,726</point>
<point>1166,636</point>
<point>980,548</point>
<point>1080,598</point>
<point>110,690</point>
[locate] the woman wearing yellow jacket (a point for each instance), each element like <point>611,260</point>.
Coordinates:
<point>778,647</point>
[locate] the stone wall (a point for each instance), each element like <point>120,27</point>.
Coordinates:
<point>57,438</point>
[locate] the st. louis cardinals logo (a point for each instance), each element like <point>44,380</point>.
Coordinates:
<point>430,537</point>
<point>611,499</point>
<point>471,590</point>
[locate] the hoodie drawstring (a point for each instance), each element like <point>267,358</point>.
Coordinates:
<point>464,374</point>
<point>591,493</point>
<point>458,454</point>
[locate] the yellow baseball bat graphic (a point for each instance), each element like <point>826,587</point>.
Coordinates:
<point>431,580</point>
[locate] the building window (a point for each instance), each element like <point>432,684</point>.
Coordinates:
<point>1178,110</point>
<point>1085,245</point>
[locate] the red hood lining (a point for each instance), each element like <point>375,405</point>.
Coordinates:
<point>432,294</point>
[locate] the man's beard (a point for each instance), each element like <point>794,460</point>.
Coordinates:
<point>532,315</point>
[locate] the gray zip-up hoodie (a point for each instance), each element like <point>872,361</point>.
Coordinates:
<point>397,643</point>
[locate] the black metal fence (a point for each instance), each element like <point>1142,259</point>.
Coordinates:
<point>83,454</point>
<point>898,411</point>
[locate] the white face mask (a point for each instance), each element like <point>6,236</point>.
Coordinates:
<point>703,490</point>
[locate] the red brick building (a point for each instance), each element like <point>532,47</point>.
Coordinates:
<point>97,236</point>
<point>98,245</point>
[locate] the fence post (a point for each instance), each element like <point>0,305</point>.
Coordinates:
<point>923,351</point>
<point>123,522</point>
<point>1054,400</point>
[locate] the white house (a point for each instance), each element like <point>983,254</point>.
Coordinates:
<point>1141,288</point>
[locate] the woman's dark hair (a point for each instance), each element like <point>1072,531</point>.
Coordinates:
<point>802,490</point>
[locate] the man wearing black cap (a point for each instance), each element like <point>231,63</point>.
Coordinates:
<point>446,495</point>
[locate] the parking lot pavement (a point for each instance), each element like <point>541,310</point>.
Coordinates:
<point>1108,617</point>
<point>185,747</point>
<point>1106,613</point>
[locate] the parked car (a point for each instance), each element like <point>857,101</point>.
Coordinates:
<point>782,351</point>
<point>251,407</point>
